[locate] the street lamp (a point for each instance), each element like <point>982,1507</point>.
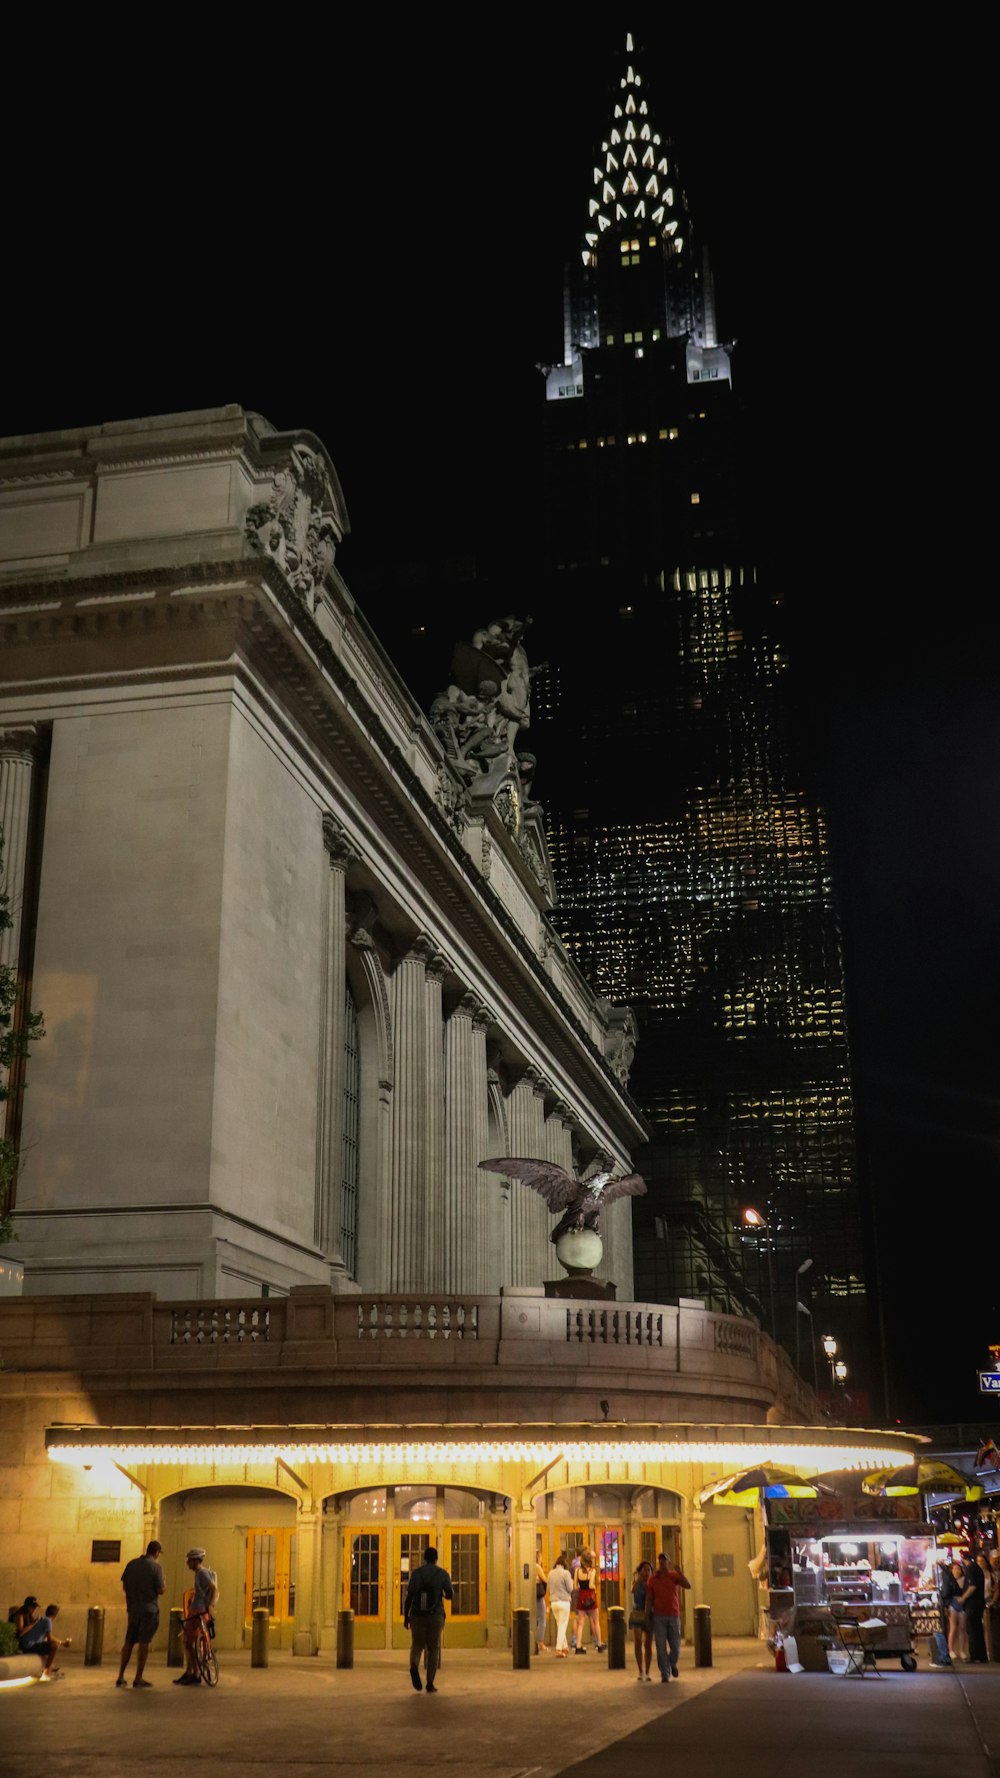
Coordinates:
<point>840,1371</point>
<point>753,1219</point>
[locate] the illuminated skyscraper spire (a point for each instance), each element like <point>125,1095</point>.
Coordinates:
<point>638,222</point>
<point>691,860</point>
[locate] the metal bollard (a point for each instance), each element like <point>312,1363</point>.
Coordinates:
<point>175,1637</point>
<point>94,1646</point>
<point>616,1637</point>
<point>703,1635</point>
<point>259,1635</point>
<point>523,1633</point>
<point>345,1639</point>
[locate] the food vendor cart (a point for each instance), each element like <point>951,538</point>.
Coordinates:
<point>850,1558</point>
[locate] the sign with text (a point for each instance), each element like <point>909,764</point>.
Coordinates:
<point>844,1509</point>
<point>989,1382</point>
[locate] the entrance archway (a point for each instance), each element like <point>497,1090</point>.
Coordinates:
<point>383,1534</point>
<point>249,1536</point>
<point>622,1524</point>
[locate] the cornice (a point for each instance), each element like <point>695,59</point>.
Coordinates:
<point>164,459</point>
<point>237,585</point>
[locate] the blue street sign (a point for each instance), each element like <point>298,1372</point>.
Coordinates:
<point>989,1382</point>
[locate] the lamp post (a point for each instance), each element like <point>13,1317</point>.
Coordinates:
<point>753,1219</point>
<point>840,1372</point>
<point>830,1348</point>
<point>801,1309</point>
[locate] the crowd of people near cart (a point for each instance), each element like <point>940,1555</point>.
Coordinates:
<point>571,1587</point>
<point>970,1587</point>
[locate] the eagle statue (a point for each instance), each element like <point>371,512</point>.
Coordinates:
<point>580,1200</point>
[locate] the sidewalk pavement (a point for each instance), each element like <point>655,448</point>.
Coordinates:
<point>777,1725</point>
<point>562,1719</point>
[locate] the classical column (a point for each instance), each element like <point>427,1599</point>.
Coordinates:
<point>559,1148</point>
<point>465,1211</point>
<point>496,1223</point>
<point>696,1572</point>
<point>330,1114</point>
<point>531,1223</point>
<point>432,1270</point>
<point>18,753</point>
<point>498,1585</point>
<point>522,1588</point>
<point>559,1135</point>
<point>307,1600</point>
<point>331,1573</point>
<point>408,1143</point>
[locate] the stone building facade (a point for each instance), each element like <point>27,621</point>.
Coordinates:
<point>290,940</point>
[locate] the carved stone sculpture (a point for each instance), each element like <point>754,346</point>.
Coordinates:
<point>296,526</point>
<point>620,1040</point>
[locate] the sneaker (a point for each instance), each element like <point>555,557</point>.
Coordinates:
<point>664,1678</point>
<point>121,1682</point>
<point>142,1685</point>
<point>579,1651</point>
<point>673,1669</point>
<point>416,1681</point>
<point>430,1687</point>
<point>188,1679</point>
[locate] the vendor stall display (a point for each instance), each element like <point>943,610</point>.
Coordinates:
<point>840,1562</point>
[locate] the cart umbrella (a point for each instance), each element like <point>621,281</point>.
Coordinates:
<point>916,1478</point>
<point>752,1486</point>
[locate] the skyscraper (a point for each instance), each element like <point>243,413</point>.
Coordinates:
<point>692,863</point>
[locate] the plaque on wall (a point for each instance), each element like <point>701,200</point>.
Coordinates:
<point>106,1549</point>
<point>722,1566</point>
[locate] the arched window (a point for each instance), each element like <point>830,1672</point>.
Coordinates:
<point>352,1117</point>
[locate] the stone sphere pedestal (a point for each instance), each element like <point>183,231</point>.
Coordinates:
<point>579,1252</point>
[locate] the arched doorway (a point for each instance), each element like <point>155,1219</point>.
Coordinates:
<point>249,1536</point>
<point>384,1532</point>
<point>622,1524</point>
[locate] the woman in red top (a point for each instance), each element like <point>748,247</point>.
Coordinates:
<point>586,1601</point>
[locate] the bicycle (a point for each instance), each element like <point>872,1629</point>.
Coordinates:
<point>206,1665</point>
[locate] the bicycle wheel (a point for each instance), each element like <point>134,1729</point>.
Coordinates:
<point>208,1666</point>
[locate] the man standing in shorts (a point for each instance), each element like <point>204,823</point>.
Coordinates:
<point>142,1581</point>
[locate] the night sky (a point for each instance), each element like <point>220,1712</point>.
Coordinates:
<point>373,249</point>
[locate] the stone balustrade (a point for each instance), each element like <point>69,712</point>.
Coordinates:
<point>674,1362</point>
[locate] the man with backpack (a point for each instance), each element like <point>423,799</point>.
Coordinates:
<point>423,1615</point>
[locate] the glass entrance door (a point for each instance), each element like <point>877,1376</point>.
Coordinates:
<point>408,1554</point>
<point>270,1582</point>
<point>464,1557</point>
<point>364,1583</point>
<point>653,1539</point>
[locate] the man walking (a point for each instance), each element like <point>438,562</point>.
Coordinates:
<point>423,1616</point>
<point>663,1614</point>
<point>142,1582</point>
